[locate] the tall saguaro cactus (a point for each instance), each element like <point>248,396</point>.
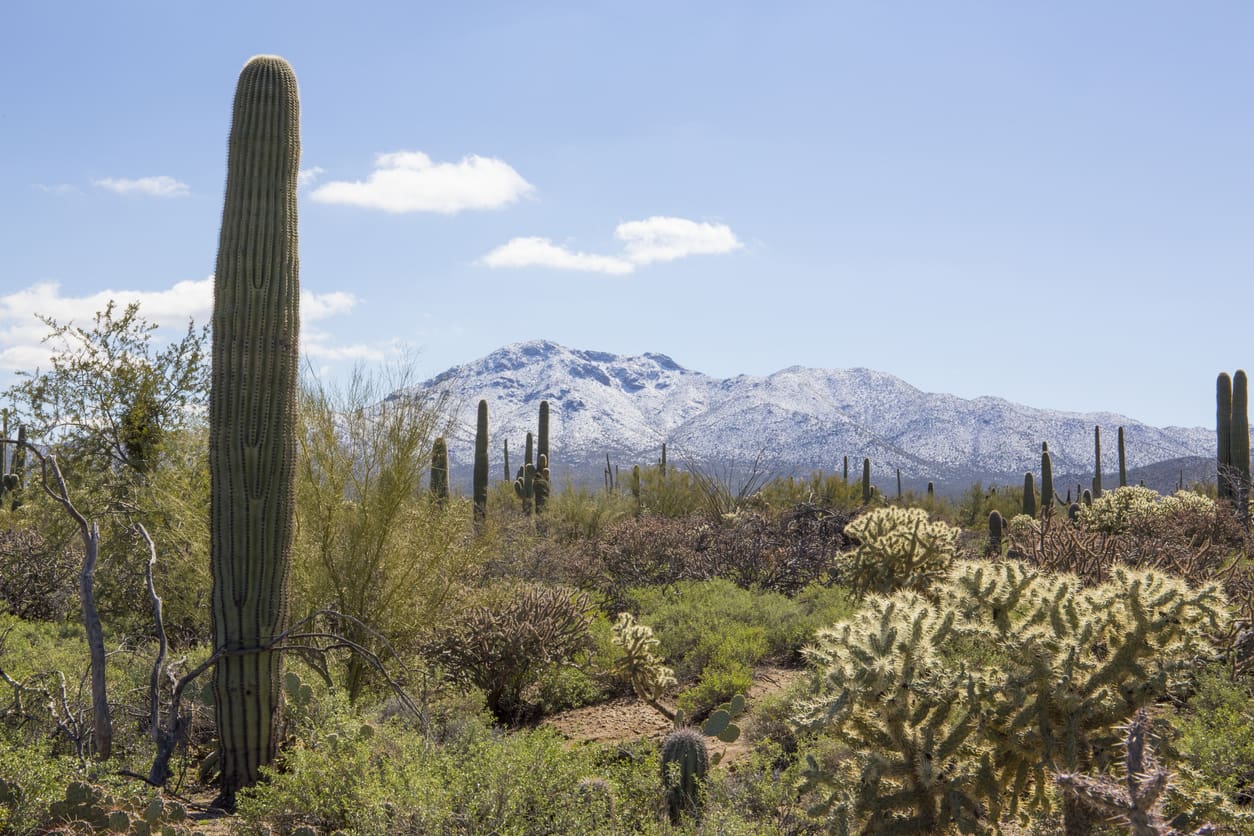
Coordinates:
<point>542,458</point>
<point>252,417</point>
<point>1240,443</point>
<point>1123,462</point>
<point>1097,455</point>
<point>479,484</point>
<point>439,470</point>
<point>1223,432</point>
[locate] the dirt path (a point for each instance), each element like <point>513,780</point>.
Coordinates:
<point>624,720</point>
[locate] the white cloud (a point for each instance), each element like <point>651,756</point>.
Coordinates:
<point>541,252</point>
<point>56,188</point>
<point>408,181</point>
<point>644,242</point>
<point>161,186</point>
<point>22,333</point>
<point>306,176</point>
<point>666,239</point>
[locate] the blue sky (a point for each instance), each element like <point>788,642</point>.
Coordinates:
<point>1052,203</point>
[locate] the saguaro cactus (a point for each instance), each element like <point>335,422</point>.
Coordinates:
<point>252,417</point>
<point>1123,462</point>
<point>1240,444</point>
<point>1047,483</point>
<point>543,458</point>
<point>508,476</point>
<point>1097,455</point>
<point>866,481</point>
<point>1223,432</point>
<point>480,479</point>
<point>996,527</point>
<point>1029,494</point>
<point>439,470</point>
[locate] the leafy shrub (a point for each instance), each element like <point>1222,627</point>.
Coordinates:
<point>503,644</point>
<point>897,548</point>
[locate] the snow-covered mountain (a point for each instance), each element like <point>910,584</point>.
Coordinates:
<point>804,419</point>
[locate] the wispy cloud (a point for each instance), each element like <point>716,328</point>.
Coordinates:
<point>306,176</point>
<point>541,252</point>
<point>159,186</point>
<point>22,333</point>
<point>644,242</point>
<point>409,181</point>
<point>665,239</point>
<point>55,188</point>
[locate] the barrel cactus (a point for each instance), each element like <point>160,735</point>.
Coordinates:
<point>685,762</point>
<point>252,417</point>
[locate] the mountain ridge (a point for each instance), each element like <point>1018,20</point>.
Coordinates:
<point>805,419</point>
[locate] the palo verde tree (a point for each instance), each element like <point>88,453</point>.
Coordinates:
<point>252,418</point>
<point>123,414</point>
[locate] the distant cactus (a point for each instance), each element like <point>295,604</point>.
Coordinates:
<point>635,486</point>
<point>1223,433</point>
<point>1029,494</point>
<point>1047,484</point>
<point>1087,497</point>
<point>996,529</point>
<point>1240,444</point>
<point>866,481</point>
<point>662,462</point>
<point>1123,462</point>
<point>1097,455</point>
<point>931,490</point>
<point>685,762</point>
<point>480,478</point>
<point>508,474</point>
<point>543,459</point>
<point>439,470</point>
<point>846,470</point>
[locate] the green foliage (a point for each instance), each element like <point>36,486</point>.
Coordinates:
<point>898,548</point>
<point>367,545</point>
<point>1214,732</point>
<point>701,622</point>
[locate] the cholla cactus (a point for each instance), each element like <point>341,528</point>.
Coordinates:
<point>1074,662</point>
<point>935,744</point>
<point>898,548</point>
<point>1136,801</point>
<point>887,691</point>
<point>648,676</point>
<point>1120,510</point>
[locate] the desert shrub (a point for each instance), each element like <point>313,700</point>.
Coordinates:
<point>1186,534</point>
<point>646,551</point>
<point>896,548</point>
<point>579,513</point>
<point>780,551</point>
<point>504,642</point>
<point>1213,741</point>
<point>30,780</point>
<point>564,687</point>
<point>37,579</point>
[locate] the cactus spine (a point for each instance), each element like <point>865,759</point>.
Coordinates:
<point>1123,462</point>
<point>252,417</point>
<point>866,481</point>
<point>1097,455</point>
<point>479,482</point>
<point>439,470</point>
<point>1029,494</point>
<point>685,761</point>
